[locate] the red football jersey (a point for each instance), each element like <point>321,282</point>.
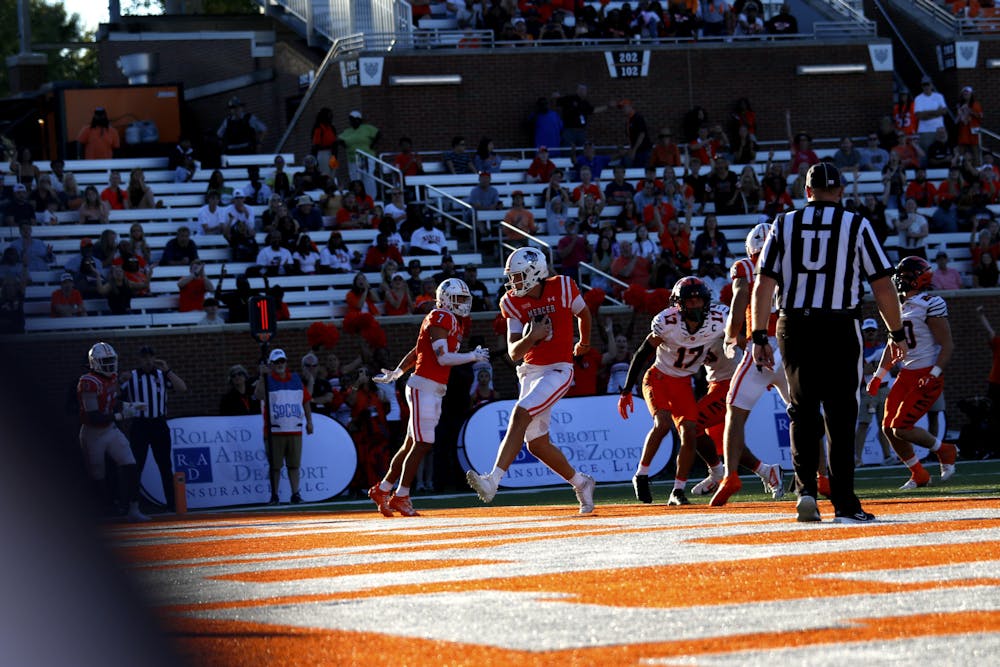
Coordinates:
<point>106,388</point>
<point>559,300</point>
<point>427,362</point>
<point>744,269</point>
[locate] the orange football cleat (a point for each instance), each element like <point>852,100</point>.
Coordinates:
<point>381,498</point>
<point>727,487</point>
<point>402,505</point>
<point>823,484</point>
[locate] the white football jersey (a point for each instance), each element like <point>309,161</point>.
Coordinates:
<point>719,367</point>
<point>924,349</point>
<point>680,352</point>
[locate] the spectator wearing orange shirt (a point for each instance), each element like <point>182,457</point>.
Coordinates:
<point>397,298</point>
<point>324,140</point>
<point>193,288</point>
<point>361,297</point>
<point>908,149</point>
<point>114,194</point>
<point>520,217</point>
<point>677,243</point>
<point>665,152</point>
<point>67,300</point>
<point>968,119</point>
<point>904,118</point>
<point>922,190</point>
<point>541,168</point>
<point>630,268</point>
<point>349,215</point>
<point>408,162</point>
<point>98,141</point>
<point>381,251</point>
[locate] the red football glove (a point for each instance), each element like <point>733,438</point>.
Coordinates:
<point>625,405</point>
<point>930,384</point>
<point>873,386</point>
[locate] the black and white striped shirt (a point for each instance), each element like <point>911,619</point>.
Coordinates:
<point>149,388</point>
<point>819,254</point>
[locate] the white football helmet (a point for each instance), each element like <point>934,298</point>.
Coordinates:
<point>103,358</point>
<point>526,267</point>
<point>756,238</point>
<point>454,296</point>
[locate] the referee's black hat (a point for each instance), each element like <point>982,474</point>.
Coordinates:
<point>823,176</point>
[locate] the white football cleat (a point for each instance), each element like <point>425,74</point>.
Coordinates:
<point>483,485</point>
<point>585,494</point>
<point>705,487</point>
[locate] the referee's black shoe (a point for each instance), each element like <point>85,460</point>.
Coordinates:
<point>677,497</point>
<point>642,491</point>
<point>860,516</point>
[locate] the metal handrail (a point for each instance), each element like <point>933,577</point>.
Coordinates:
<point>387,175</point>
<point>339,48</point>
<point>585,267</point>
<point>445,204</point>
<point>958,25</point>
<point>543,245</point>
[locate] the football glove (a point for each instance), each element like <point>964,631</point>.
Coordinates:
<point>387,376</point>
<point>625,405</point>
<point>481,353</point>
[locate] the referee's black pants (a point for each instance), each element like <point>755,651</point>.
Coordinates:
<point>822,357</point>
<point>153,433</point>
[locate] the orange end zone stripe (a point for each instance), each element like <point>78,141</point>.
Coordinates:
<point>299,573</point>
<point>842,532</point>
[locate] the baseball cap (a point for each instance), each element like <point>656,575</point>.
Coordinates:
<point>147,351</point>
<point>823,176</point>
<point>925,79</point>
<point>398,275</point>
<point>869,323</point>
<point>543,148</point>
<point>355,114</point>
<point>85,243</point>
<point>238,192</point>
<point>19,187</point>
<point>303,200</point>
<point>66,276</point>
<point>277,354</point>
<point>967,89</point>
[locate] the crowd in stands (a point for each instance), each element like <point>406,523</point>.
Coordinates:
<point>648,20</point>
<point>923,180</point>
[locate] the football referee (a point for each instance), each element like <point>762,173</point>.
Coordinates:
<point>816,257</point>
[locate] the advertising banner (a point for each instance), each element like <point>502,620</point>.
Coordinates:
<point>224,462</point>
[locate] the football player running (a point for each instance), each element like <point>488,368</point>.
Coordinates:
<point>432,357</point>
<point>680,338</point>
<point>540,312</point>
<point>919,383</point>
<point>100,411</point>
<point>750,381</point>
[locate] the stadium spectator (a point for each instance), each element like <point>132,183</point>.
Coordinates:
<point>276,293</point>
<point>361,297</point>
<point>703,146</point>
<point>358,136</point>
<point>922,190</point>
<point>217,183</point>
<point>398,300</point>
<point>576,111</point>
<point>379,252</point>
<point>18,209</point>
<point>694,180</point>
<point>118,290</point>
<point>396,208</point>
<point>116,198</point>
<point>241,132</point>
<point>45,195</point>
<point>589,158</point>
<point>894,181</point>
<point>587,186</point>
<point>458,160</point>
<point>904,120</point>
<point>968,120</point>
<point>716,18</point>
<point>256,191</point>
<point>273,259</point>
<point>238,399</point>
<point>847,156</point>
<point>310,178</point>
<point>984,272</point>
<point>12,288</point>
<point>618,190</point>
<point>541,167</point>
<point>212,218</point>
<point>278,180</point>
<point>555,188</point>
<point>547,125</point>
<point>912,228</point>
<point>782,23</point>
<point>67,300</point>
<point>944,276</point>
<point>140,195</point>
<point>335,257</point>
<point>414,282</point>
<point>603,256</point>
<point>70,191</point>
<point>242,242</point>
<point>630,268</point>
<point>628,217</point>
<point>33,252</point>
<point>571,250</point>
<point>749,194</point>
<point>349,216</point>
<point>873,156</point>
<point>388,270</point>
<point>519,217</point>
<point>180,250</point>
<point>648,196</point>
<point>676,243</point>
<point>425,300</point>
<point>238,211</point>
<point>324,141</point>
<point>743,146</point>
<point>750,22</point>
<point>447,270</point>
<point>930,109</point>
<point>193,287</point>
<point>307,214</point>
<point>486,158</point>
<point>408,162</point>
<point>182,162</point>
<point>800,146</point>
<point>722,187</point>
<point>940,153</point>
<point>85,268</point>
<point>237,301</point>
<point>138,244</point>
<point>212,315</point>
<point>710,245</point>
<point>911,153</point>
<point>98,141</point>
<point>680,20</point>
<point>305,256</point>
<point>429,239</point>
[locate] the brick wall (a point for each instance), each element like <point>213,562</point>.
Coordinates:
<point>50,364</point>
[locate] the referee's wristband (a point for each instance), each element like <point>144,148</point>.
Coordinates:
<point>898,335</point>
<point>759,337</point>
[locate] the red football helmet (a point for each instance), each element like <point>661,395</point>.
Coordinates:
<point>912,273</point>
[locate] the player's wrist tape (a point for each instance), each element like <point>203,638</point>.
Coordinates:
<point>936,371</point>
<point>759,337</point>
<point>898,335</point>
